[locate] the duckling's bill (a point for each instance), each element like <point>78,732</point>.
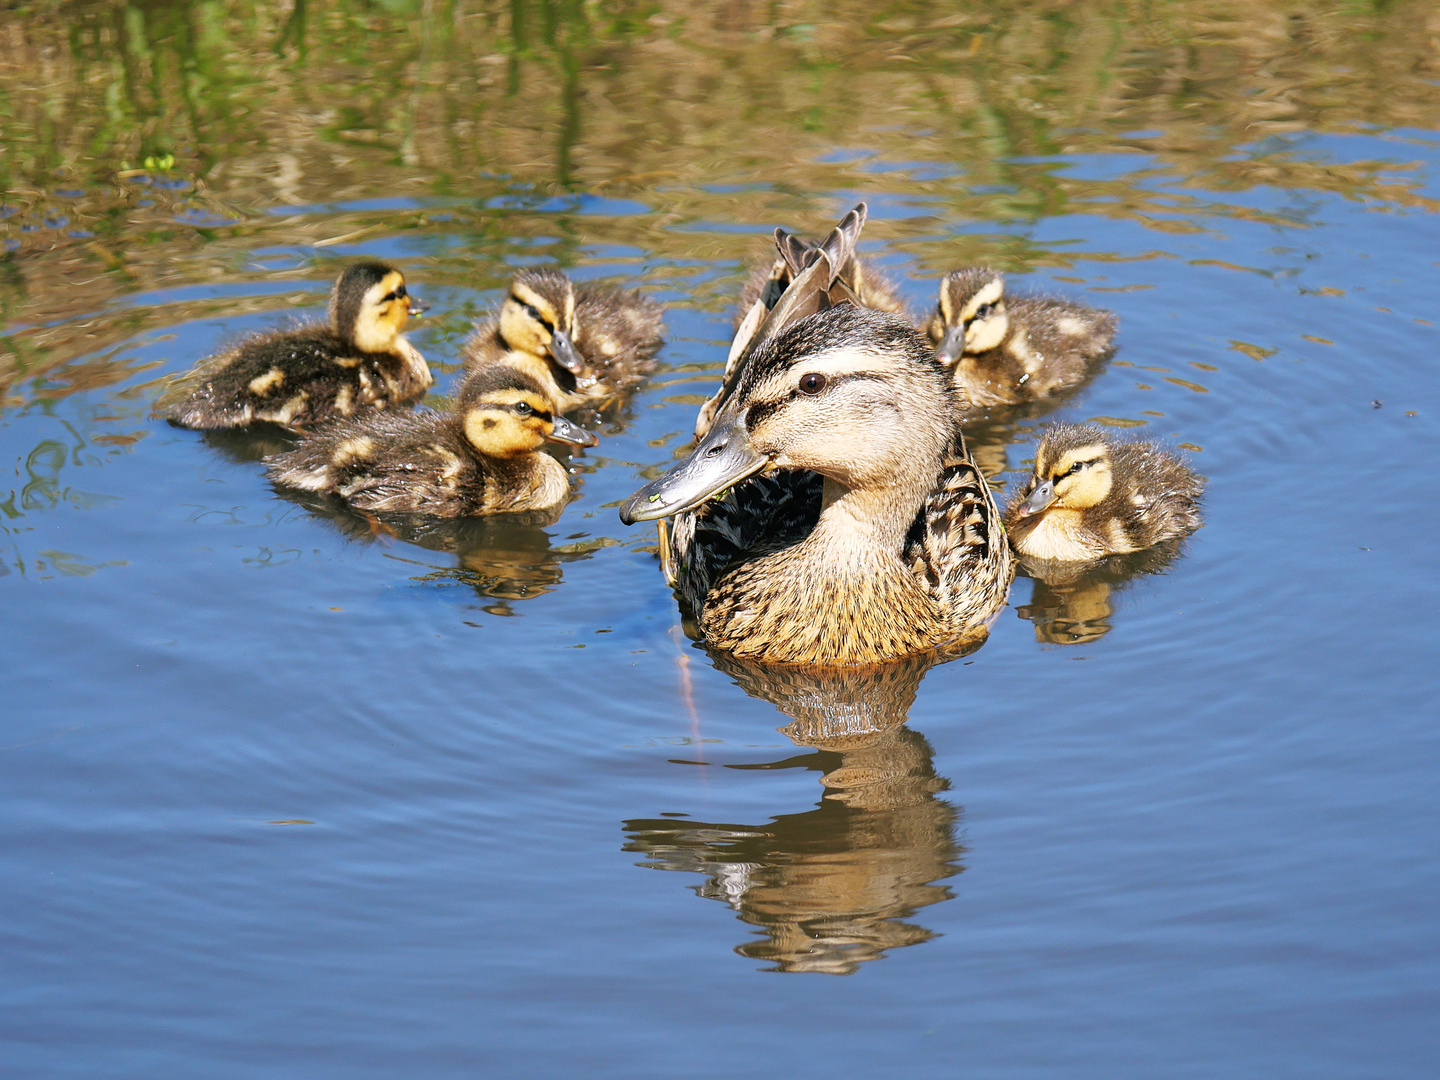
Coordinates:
<point>565,353</point>
<point>1039,500</point>
<point>952,346</point>
<point>564,431</point>
<point>722,458</point>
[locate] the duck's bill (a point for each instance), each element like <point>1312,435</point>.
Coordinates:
<point>723,458</point>
<point>571,434</point>
<point>417,307</point>
<point>565,353</point>
<point>1040,499</point>
<point>952,345</point>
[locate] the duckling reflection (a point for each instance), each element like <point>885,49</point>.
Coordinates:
<point>829,888</point>
<point>1073,603</point>
<point>505,558</point>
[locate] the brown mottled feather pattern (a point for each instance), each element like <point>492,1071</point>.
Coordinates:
<point>313,361</point>
<point>416,463</point>
<point>873,288</point>
<point>957,545</point>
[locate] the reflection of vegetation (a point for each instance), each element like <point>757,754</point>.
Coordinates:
<point>715,114</point>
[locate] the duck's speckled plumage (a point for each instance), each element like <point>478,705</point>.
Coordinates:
<point>1021,348</point>
<point>314,372</point>
<point>428,462</point>
<point>616,333</point>
<point>1108,496</point>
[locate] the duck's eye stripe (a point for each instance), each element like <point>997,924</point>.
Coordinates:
<point>388,297</point>
<point>534,313</point>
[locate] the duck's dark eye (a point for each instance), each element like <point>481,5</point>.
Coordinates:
<point>400,293</point>
<point>812,383</point>
<point>984,311</point>
<point>522,409</point>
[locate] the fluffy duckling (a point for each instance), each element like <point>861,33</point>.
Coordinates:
<point>896,551</point>
<point>357,360</point>
<point>1094,495</point>
<point>1010,350</point>
<point>481,458</point>
<point>584,344</point>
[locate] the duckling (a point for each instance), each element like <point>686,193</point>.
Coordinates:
<point>1094,495</point>
<point>482,457</point>
<point>584,344</point>
<point>1010,350</point>
<point>359,359</point>
<point>896,551</point>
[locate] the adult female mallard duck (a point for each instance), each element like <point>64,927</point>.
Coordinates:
<point>1011,350</point>
<point>358,359</point>
<point>1094,495</point>
<point>584,344</point>
<point>888,545</point>
<point>482,457</point>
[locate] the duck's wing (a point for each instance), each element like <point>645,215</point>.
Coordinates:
<point>791,293</point>
<point>957,546</point>
<point>764,513</point>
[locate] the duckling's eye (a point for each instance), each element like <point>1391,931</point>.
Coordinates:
<point>522,409</point>
<point>400,293</point>
<point>812,383</point>
<point>984,311</point>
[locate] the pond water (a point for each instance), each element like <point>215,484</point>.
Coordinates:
<point>289,796</point>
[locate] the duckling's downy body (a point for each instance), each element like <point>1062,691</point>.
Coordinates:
<point>584,344</point>
<point>893,550</point>
<point>481,458</point>
<point>1008,350</point>
<point>356,361</point>
<point>1094,495</point>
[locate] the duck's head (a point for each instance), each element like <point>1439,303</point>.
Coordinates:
<point>507,415</point>
<point>369,306</point>
<point>1073,471</point>
<point>851,393</point>
<point>538,317</point>
<point>970,317</point>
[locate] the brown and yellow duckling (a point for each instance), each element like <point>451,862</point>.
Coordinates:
<point>1008,350</point>
<point>584,344</point>
<point>358,359</point>
<point>1094,495</point>
<point>897,550</point>
<point>482,457</point>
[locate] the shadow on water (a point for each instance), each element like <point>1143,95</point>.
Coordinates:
<point>829,888</point>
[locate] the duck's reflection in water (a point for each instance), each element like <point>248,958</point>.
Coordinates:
<point>504,557</point>
<point>1073,603</point>
<point>829,888</point>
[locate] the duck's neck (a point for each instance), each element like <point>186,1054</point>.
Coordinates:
<point>865,526</point>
